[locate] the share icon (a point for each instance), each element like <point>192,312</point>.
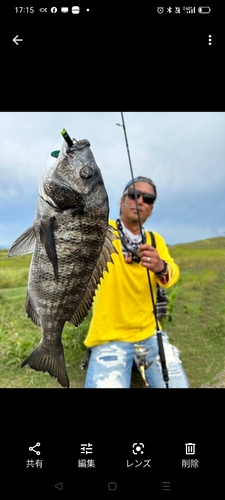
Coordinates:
<point>35,451</point>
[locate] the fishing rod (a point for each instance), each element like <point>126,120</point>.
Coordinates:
<point>159,337</point>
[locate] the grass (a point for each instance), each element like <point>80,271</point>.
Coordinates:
<point>19,336</point>
<point>197,307</point>
<point>198,326</point>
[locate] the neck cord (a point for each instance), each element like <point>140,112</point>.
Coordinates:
<point>128,245</point>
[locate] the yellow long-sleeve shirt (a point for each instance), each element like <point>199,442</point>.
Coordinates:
<point>122,307</point>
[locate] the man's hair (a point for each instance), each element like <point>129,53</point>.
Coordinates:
<point>140,179</point>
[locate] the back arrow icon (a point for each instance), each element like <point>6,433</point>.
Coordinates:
<point>59,486</point>
<point>16,39</point>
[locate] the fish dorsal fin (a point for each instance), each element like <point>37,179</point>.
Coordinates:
<point>101,265</point>
<point>24,243</point>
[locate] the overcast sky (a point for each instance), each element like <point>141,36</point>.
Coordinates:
<point>183,153</point>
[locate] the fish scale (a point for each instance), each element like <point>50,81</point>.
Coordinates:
<point>72,245</point>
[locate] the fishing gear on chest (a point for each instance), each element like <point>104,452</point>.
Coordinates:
<point>130,243</point>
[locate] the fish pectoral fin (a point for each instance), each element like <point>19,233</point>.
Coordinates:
<point>44,359</point>
<point>24,243</point>
<point>48,240</point>
<point>101,266</point>
<point>31,313</point>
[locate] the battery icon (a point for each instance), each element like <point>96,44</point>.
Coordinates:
<point>204,10</point>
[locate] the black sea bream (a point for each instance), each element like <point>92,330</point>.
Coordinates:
<point>71,243</point>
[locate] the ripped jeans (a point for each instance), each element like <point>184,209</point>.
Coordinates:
<point>110,365</point>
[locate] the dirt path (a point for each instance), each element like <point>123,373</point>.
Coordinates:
<point>218,381</point>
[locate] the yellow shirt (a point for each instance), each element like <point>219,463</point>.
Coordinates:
<point>122,307</point>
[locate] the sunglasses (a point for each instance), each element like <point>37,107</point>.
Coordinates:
<point>147,198</point>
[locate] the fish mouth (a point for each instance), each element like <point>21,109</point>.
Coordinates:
<point>77,145</point>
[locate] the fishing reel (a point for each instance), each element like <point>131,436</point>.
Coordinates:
<point>140,357</point>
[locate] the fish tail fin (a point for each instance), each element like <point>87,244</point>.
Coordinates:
<point>44,359</point>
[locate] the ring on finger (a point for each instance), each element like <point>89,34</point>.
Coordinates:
<point>148,259</point>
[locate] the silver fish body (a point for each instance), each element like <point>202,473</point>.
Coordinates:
<point>71,243</point>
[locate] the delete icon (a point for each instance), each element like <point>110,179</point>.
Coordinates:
<point>190,448</point>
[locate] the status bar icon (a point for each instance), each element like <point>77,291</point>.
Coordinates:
<point>204,10</point>
<point>75,9</point>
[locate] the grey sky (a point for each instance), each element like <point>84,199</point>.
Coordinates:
<point>183,152</point>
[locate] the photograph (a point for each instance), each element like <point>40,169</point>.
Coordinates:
<point>112,250</point>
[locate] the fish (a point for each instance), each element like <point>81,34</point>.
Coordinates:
<point>71,243</point>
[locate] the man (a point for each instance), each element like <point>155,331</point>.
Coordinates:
<point>123,314</point>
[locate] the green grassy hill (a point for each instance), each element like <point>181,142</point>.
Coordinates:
<point>197,328</point>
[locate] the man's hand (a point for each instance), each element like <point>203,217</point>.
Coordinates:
<point>150,258</point>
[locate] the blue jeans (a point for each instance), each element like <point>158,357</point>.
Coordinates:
<point>110,365</point>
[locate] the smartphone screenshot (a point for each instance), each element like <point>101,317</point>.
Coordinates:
<point>112,248</point>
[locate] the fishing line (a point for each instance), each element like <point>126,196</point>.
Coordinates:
<point>46,168</point>
<point>159,338</point>
<point>68,140</point>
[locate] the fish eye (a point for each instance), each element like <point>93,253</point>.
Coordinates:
<point>86,172</point>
